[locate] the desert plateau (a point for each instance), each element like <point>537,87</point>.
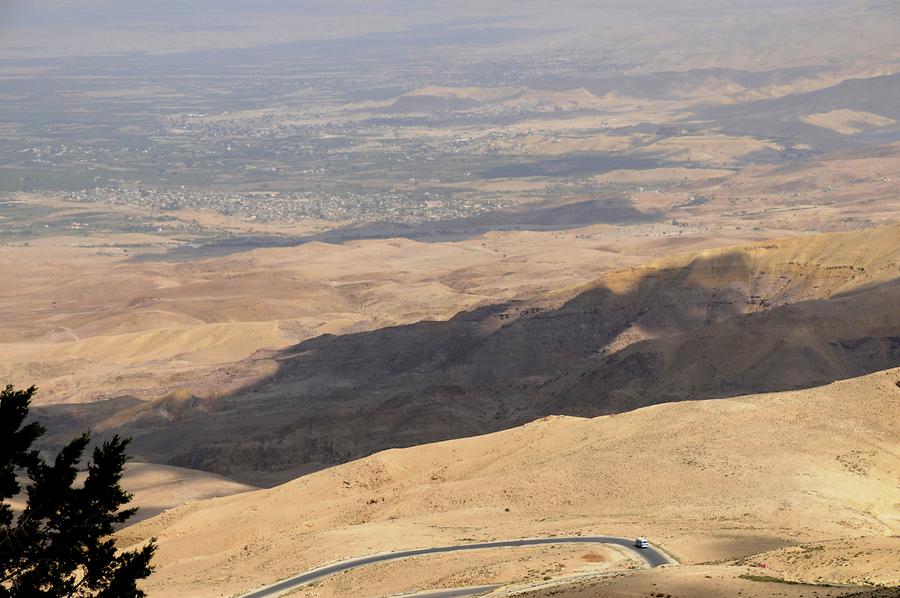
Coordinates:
<point>394,298</point>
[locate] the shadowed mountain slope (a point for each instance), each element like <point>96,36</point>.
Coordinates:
<point>784,117</point>
<point>766,317</point>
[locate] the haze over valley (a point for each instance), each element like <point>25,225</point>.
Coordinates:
<point>362,278</point>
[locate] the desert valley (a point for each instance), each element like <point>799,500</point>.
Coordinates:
<point>361,281</point>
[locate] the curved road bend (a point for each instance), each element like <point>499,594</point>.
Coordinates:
<point>652,555</point>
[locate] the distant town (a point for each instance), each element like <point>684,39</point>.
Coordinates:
<point>273,206</point>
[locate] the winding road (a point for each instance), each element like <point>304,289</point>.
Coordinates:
<point>653,556</point>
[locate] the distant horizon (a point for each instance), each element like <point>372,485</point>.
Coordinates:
<point>68,28</point>
<point>379,289</point>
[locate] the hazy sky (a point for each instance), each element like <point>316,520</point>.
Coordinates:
<point>754,33</point>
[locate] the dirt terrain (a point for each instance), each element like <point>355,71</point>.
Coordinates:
<point>526,565</point>
<point>363,278</point>
<point>91,323</point>
<point>814,308</point>
<point>703,581</point>
<point>706,480</point>
<point>106,315</point>
<point>157,488</point>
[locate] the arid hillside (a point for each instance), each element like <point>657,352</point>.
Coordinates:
<point>99,313</point>
<point>771,316</point>
<point>357,277</point>
<point>707,480</point>
<point>88,321</point>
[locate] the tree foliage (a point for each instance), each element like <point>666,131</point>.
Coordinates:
<point>60,544</point>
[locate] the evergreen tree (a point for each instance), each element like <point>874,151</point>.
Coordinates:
<point>61,544</point>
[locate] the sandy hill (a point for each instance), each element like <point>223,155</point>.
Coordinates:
<point>156,488</point>
<point>84,324</point>
<point>765,317</point>
<point>708,480</point>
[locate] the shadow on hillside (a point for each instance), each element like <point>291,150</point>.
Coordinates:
<point>704,331</point>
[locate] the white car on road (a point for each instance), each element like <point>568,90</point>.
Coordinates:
<point>641,542</point>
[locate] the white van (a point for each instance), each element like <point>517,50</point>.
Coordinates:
<point>642,542</point>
